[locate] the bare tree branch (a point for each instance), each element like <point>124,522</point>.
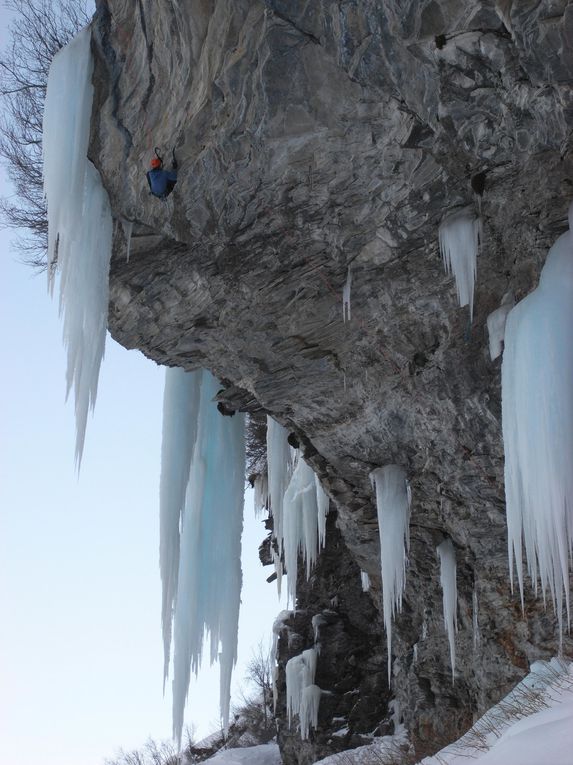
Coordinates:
<point>40,28</point>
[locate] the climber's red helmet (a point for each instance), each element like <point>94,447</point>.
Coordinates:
<point>155,162</point>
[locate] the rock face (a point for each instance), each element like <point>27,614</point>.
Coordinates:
<point>343,624</point>
<point>319,137</point>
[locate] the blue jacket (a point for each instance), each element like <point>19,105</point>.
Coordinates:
<point>161,181</point>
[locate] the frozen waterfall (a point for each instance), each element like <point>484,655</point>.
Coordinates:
<point>459,237</point>
<point>202,490</point>
<point>180,415</point>
<point>79,223</point>
<point>393,504</point>
<point>299,506</point>
<point>303,697</point>
<point>537,417</point>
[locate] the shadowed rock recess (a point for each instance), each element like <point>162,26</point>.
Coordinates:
<point>313,137</point>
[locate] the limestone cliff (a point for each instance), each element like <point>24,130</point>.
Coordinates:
<point>313,137</point>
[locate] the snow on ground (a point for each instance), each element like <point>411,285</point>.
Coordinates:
<point>532,725</point>
<point>266,754</point>
<point>380,751</point>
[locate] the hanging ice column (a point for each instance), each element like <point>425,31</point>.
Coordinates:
<point>279,466</point>
<point>537,416</point>
<point>203,460</point>
<point>303,697</point>
<point>459,237</point>
<point>79,223</point>
<point>180,416</point>
<point>393,504</point>
<point>447,556</point>
<point>299,506</point>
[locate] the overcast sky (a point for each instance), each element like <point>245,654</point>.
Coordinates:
<point>80,643</point>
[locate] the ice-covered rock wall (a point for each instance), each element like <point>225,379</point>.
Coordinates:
<point>394,117</point>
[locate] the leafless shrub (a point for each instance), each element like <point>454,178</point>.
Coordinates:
<point>39,29</point>
<point>392,753</point>
<point>254,715</point>
<point>525,700</point>
<point>152,753</point>
<point>256,445</point>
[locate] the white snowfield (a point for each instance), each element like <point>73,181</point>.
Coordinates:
<point>266,754</point>
<point>532,725</point>
<point>381,750</point>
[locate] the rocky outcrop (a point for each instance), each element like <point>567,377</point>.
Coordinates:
<point>343,624</point>
<point>318,137</point>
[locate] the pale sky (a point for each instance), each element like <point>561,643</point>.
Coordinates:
<point>80,642</point>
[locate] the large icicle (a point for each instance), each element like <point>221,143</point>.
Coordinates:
<point>209,578</point>
<point>447,556</point>
<point>299,506</point>
<point>393,504</point>
<point>261,488</point>
<point>303,697</point>
<point>459,237</point>
<point>537,416</point>
<point>80,225</point>
<point>346,296</point>
<point>323,501</point>
<point>279,471</point>
<point>303,525</point>
<point>309,706</point>
<point>180,414</point>
<point>496,326</point>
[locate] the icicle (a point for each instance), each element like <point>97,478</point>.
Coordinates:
<point>393,504</point>
<point>279,471</point>
<point>537,417</point>
<point>447,556</point>
<point>346,297</point>
<point>475,621</point>
<point>261,494</point>
<point>496,325</point>
<point>365,580</point>
<point>323,502</point>
<point>275,678</point>
<point>80,227</point>
<point>396,715</point>
<point>300,524</point>
<point>300,673</point>
<point>208,595</point>
<point>278,565</point>
<point>298,504</point>
<point>318,621</point>
<point>294,684</point>
<point>459,241</point>
<point>127,226</point>
<point>309,705</point>
<point>180,414</point>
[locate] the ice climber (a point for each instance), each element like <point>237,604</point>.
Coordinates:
<point>161,182</point>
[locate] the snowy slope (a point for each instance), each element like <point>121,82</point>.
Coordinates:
<point>266,754</point>
<point>532,725</point>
